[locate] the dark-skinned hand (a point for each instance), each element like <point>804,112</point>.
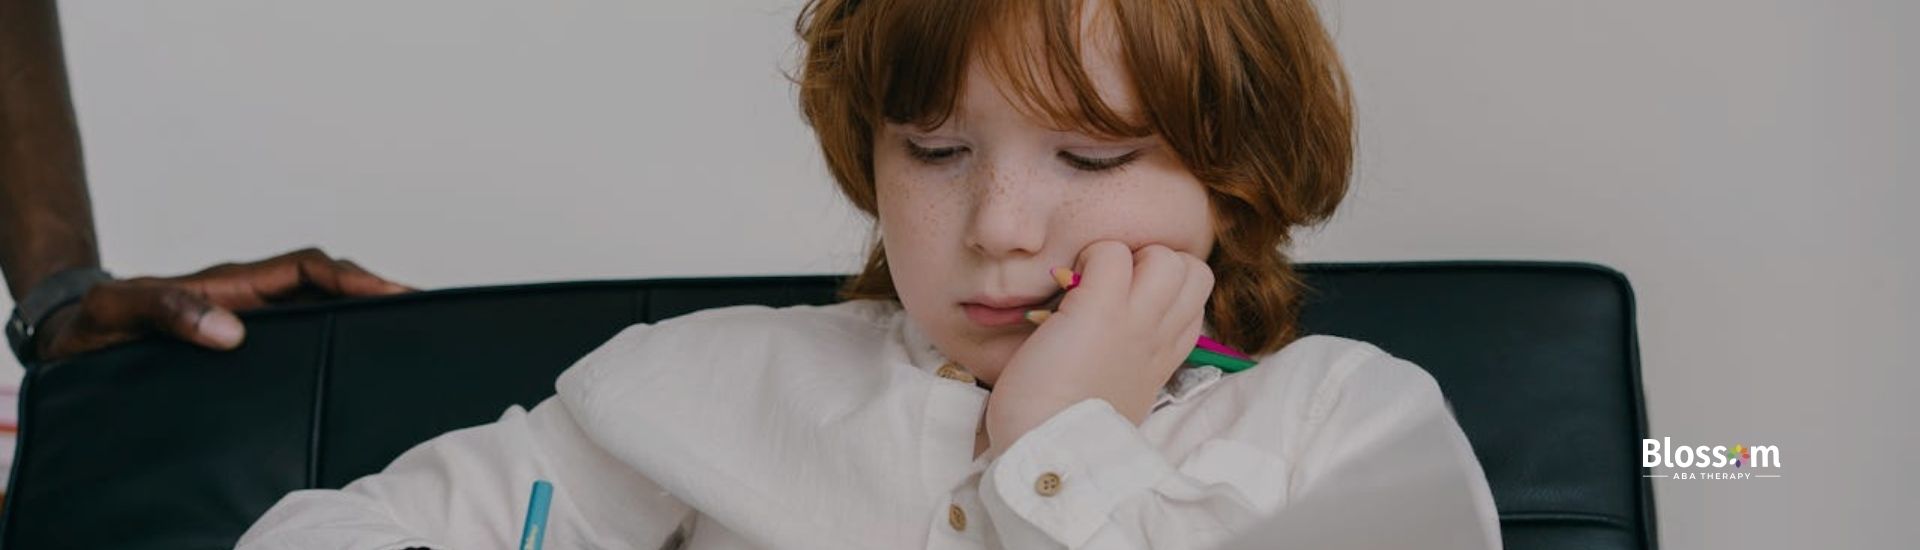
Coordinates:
<point>199,308</point>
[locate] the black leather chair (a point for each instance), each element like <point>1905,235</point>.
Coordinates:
<point>161,445</point>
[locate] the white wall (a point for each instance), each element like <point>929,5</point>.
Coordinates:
<point>1749,167</point>
<point>1747,163</point>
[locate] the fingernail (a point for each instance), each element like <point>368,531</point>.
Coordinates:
<point>222,328</point>
<point>1037,316</point>
<point>1065,277</point>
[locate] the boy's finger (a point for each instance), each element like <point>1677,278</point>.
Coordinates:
<point>1106,272</point>
<point>1158,273</point>
<point>1190,305</point>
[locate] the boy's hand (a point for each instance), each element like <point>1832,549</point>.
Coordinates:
<point>1118,336</point>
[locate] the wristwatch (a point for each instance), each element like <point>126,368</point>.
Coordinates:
<point>42,300</point>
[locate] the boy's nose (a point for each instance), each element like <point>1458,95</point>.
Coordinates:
<point>1009,215</point>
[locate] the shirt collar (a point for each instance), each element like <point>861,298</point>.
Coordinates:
<point>926,357</point>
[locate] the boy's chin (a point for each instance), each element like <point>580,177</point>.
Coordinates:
<point>993,358</point>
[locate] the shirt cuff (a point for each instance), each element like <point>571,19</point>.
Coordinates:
<point>1067,476</point>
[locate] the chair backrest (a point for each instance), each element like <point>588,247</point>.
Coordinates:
<point>161,445</point>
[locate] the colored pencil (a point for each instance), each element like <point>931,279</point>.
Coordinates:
<point>533,533</point>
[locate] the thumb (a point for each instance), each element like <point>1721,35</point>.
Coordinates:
<point>189,316</point>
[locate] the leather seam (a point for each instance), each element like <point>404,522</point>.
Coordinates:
<point>1566,517</point>
<point>323,358</point>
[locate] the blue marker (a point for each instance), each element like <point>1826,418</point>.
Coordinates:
<point>536,529</point>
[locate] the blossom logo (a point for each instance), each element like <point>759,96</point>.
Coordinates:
<point>1717,461</point>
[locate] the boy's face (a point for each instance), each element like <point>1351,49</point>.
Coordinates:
<point>982,207</point>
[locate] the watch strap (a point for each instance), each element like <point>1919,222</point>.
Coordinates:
<point>52,292</point>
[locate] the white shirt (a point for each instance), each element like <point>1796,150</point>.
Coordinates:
<point>749,427</point>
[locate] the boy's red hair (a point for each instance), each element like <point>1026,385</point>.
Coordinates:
<point>1249,93</point>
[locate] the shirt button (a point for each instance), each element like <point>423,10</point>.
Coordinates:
<point>956,517</point>
<point>1048,484</point>
<point>952,371</point>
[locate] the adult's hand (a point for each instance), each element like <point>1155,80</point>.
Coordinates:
<point>199,308</point>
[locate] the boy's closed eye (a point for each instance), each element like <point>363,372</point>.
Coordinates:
<point>1088,161</point>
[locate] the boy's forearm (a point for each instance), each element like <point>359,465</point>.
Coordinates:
<point>46,219</point>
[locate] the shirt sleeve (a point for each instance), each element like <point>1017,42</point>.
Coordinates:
<point>1088,478</point>
<point>469,489</point>
<point>1386,443</point>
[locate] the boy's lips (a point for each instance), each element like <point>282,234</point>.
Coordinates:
<point>994,316</point>
<point>994,311</point>
<point>1009,302</point>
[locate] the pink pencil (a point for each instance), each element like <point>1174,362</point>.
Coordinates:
<point>1212,345</point>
